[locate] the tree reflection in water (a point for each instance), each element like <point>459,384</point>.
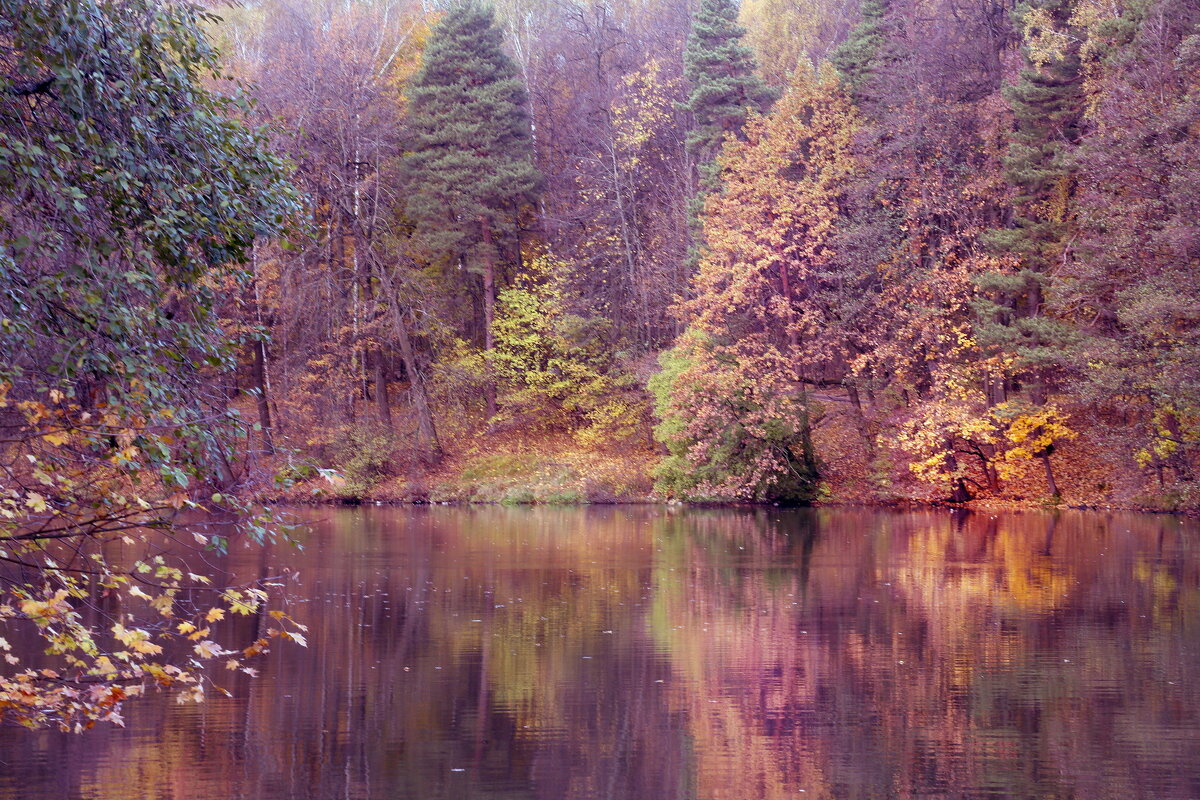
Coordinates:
<point>664,653</point>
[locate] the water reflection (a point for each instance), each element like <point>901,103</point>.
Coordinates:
<point>659,653</point>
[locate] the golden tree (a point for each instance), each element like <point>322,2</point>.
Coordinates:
<point>735,411</point>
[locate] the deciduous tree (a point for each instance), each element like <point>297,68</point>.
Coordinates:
<point>735,409</point>
<point>129,192</point>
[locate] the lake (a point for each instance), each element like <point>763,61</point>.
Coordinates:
<point>662,652</point>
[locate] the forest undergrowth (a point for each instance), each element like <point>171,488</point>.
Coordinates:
<point>551,468</point>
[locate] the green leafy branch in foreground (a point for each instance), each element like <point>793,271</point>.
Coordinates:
<point>130,196</point>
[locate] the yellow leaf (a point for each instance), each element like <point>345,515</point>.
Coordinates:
<point>164,604</point>
<point>185,627</point>
<point>148,648</point>
<point>207,649</point>
<point>215,614</point>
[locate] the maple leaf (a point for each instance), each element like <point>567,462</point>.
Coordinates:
<point>208,649</point>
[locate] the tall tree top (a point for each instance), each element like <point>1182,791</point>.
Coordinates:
<point>720,70</point>
<point>868,51</point>
<point>471,149</point>
<point>465,49</point>
<point>1047,101</point>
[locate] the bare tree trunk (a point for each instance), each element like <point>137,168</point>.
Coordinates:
<point>1050,482</point>
<point>489,309</point>
<point>860,419</point>
<point>219,460</point>
<point>426,432</point>
<point>260,363</point>
<point>427,437</point>
<point>260,383</point>
<point>346,298</point>
<point>993,478</point>
<point>785,288</point>
<point>381,390</point>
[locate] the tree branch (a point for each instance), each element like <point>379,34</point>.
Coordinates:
<point>32,87</point>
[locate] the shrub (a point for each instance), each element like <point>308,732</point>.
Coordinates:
<point>366,455</point>
<point>557,367</point>
<point>726,439</point>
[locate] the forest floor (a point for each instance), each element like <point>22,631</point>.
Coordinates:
<point>511,468</point>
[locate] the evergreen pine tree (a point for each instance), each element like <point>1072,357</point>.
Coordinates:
<point>724,90</point>
<point>869,48</point>
<point>1047,103</point>
<point>469,170</point>
<point>720,70</point>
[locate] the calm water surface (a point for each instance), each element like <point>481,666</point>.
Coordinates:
<point>654,653</point>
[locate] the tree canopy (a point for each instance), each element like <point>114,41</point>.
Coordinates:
<point>720,71</point>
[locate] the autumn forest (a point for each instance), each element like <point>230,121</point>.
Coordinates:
<point>786,252</point>
<point>792,251</point>
<point>564,252</point>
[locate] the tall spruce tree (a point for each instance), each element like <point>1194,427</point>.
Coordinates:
<point>1048,108</point>
<point>469,170</point>
<point>863,59</point>
<point>724,90</point>
<point>720,70</point>
<point>1047,103</point>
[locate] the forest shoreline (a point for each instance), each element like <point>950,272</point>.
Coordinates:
<point>525,494</point>
<point>308,252</point>
<point>974,506</point>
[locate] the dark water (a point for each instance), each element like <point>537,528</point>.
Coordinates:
<point>656,653</point>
